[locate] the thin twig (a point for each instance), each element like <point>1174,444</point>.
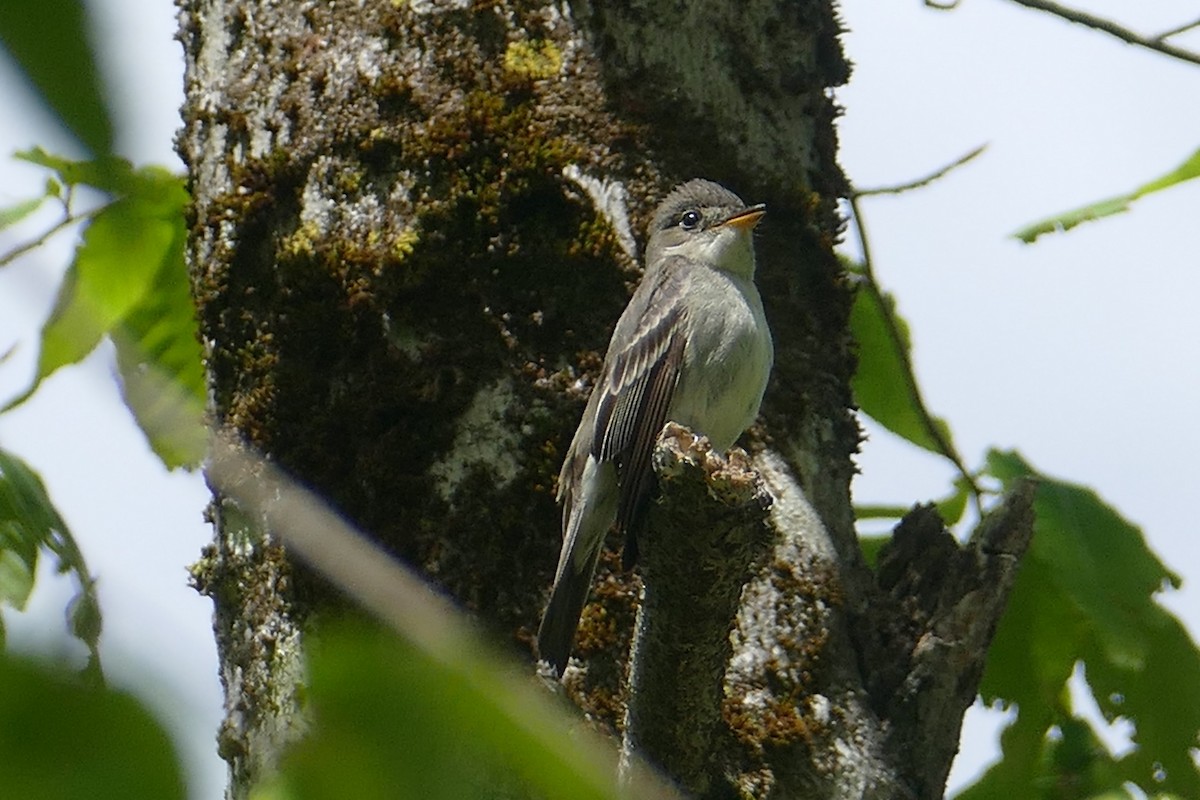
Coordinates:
<point>67,219</point>
<point>20,250</point>
<point>920,182</point>
<point>1155,43</point>
<point>1176,31</point>
<point>945,447</point>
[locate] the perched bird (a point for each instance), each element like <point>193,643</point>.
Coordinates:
<point>691,347</point>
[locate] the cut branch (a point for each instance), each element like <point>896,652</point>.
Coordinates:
<point>945,600</point>
<point>701,543</point>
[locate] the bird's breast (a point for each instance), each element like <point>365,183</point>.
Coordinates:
<point>726,362</point>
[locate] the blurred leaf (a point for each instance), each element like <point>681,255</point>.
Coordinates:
<point>1086,592</point>
<point>953,507</point>
<point>106,173</point>
<point>161,365</point>
<point>122,251</point>
<point>14,214</point>
<point>393,723</point>
<point>1186,171</point>
<point>1071,763</point>
<point>17,567</point>
<point>28,522</point>
<point>883,385</point>
<point>880,512</point>
<point>1162,699</point>
<point>129,281</point>
<point>49,42</point>
<point>63,741</point>
<point>871,547</point>
<point>117,265</point>
<point>83,617</point>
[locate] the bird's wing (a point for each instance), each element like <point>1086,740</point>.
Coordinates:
<point>641,382</point>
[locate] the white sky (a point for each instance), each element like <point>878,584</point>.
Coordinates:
<point>1080,351</point>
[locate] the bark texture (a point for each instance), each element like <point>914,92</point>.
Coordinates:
<point>413,227</point>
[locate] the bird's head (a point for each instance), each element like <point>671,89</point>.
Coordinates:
<point>706,223</point>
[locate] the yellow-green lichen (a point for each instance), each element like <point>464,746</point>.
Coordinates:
<point>532,60</point>
<point>405,244</point>
<point>302,242</point>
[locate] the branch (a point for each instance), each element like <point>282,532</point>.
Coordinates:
<point>67,219</point>
<point>941,602</point>
<point>922,182</point>
<point>1187,26</point>
<point>945,447</point>
<point>697,552</point>
<point>1156,43</point>
<point>794,697</point>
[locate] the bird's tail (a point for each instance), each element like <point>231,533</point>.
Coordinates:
<point>588,522</point>
<point>557,631</point>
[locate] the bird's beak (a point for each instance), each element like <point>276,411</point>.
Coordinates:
<point>746,219</point>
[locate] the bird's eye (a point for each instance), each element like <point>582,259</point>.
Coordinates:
<point>690,220</point>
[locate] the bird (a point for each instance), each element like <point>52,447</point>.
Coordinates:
<point>692,347</point>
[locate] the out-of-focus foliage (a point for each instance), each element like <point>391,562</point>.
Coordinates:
<point>30,524</point>
<point>48,41</point>
<point>394,723</point>
<point>63,739</point>
<point>128,282</point>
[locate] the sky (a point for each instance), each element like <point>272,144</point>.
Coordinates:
<point>1079,350</point>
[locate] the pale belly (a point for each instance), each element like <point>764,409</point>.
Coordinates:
<point>725,369</point>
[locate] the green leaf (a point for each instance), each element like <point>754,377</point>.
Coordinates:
<point>883,385</point>
<point>14,214</point>
<point>880,512</point>
<point>122,252</point>
<point>1161,697</point>
<point>1086,593</point>
<point>129,281</point>
<point>953,507</point>
<point>28,522</point>
<point>1037,642</point>
<point>117,265</point>
<point>871,547</point>
<point>1102,562</point>
<point>65,741</point>
<point>154,187</point>
<point>160,363</point>
<point>1186,171</point>
<point>50,44</point>
<point>17,568</point>
<point>393,723</point>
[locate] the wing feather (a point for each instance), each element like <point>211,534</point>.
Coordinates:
<point>633,409</point>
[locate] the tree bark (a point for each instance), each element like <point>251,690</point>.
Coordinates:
<point>413,226</point>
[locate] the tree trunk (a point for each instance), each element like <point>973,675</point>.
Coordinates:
<point>410,237</point>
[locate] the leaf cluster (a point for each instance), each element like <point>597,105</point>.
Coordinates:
<point>1085,599</point>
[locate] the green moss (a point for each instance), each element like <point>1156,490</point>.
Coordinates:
<point>532,60</point>
<point>405,244</point>
<point>303,240</point>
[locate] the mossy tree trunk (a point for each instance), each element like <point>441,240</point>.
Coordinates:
<point>414,225</point>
